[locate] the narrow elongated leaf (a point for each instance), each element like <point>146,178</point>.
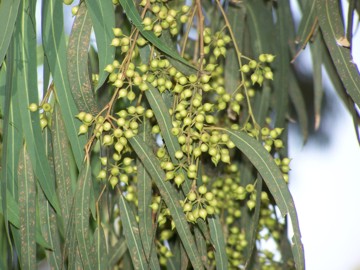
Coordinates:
<point>77,62</point>
<point>49,227</point>
<point>12,209</point>
<point>11,138</point>
<point>134,17</point>
<point>332,30</point>
<point>169,41</point>
<point>252,224</point>
<point>117,252</point>
<point>273,178</point>
<point>298,101</point>
<point>27,211</point>
<point>53,38</point>
<point>306,25</point>
<point>219,242</point>
<point>236,16</point>
<point>144,200</point>
<point>201,245</point>
<point>260,26</point>
<point>14,219</point>
<point>316,53</point>
<point>164,120</point>
<point>82,226</point>
<point>63,162</point>
<point>8,15</point>
<point>26,93</point>
<point>71,245</point>
<point>100,248</point>
<point>174,262</point>
<point>262,104</point>
<point>132,235</point>
<point>281,82</point>
<point>170,196</point>
<point>103,19</point>
<point>49,223</point>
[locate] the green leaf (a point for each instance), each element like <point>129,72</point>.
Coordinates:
<point>297,99</point>
<point>82,226</point>
<point>170,196</point>
<point>103,19</point>
<point>100,248</point>
<point>64,163</point>
<point>284,30</point>
<point>260,26</point>
<point>53,38</point>
<point>144,200</point>
<point>316,52</point>
<point>27,211</point>
<point>117,252</point>
<point>262,103</point>
<point>164,121</point>
<point>134,17</point>
<point>251,226</point>
<point>174,262</point>
<point>183,68</point>
<point>217,237</point>
<point>25,84</point>
<point>273,178</point>
<point>77,62</point>
<point>11,138</point>
<point>236,16</point>
<point>201,245</point>
<point>71,251</point>
<point>331,25</point>
<point>49,227</point>
<point>306,26</point>
<point>8,15</point>
<point>132,235</point>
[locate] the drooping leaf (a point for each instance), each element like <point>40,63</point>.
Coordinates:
<point>144,201</point>
<point>332,29</point>
<point>285,29</point>
<point>11,138</point>
<point>236,16</point>
<point>170,196</point>
<point>252,224</point>
<point>132,235</point>
<point>103,19</point>
<point>273,178</point>
<point>8,15</point>
<point>172,44</point>
<point>82,226</point>
<point>218,239</point>
<point>316,53</point>
<point>297,99</point>
<point>27,211</point>
<point>201,245</point>
<point>49,227</point>
<point>77,62</point>
<point>164,120</point>
<point>53,38</point>
<point>174,262</point>
<point>100,248</point>
<point>307,26</point>
<point>63,162</point>
<point>134,18</point>
<point>26,93</point>
<point>118,251</point>
<point>260,25</point>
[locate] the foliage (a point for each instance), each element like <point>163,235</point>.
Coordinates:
<point>163,144</point>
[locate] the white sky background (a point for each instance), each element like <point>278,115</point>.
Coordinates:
<point>325,184</point>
